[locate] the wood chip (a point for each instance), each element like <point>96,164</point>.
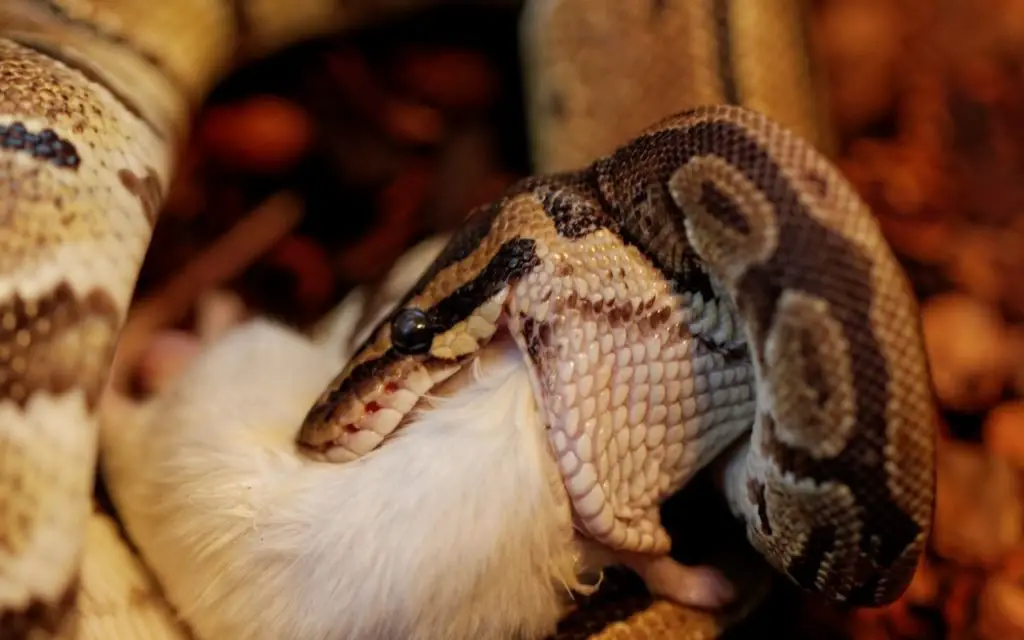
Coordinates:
<point>979,516</point>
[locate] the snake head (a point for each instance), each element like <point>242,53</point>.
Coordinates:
<point>412,351</point>
<point>453,311</point>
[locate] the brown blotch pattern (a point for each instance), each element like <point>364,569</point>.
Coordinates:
<point>55,617</point>
<point>56,343</point>
<point>615,312</point>
<point>825,250</point>
<point>147,189</point>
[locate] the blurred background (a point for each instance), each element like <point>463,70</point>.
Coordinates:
<point>310,172</point>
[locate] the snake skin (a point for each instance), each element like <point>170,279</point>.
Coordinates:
<point>714,273</point>
<point>95,100</point>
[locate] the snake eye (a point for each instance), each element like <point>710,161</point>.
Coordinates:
<point>411,331</point>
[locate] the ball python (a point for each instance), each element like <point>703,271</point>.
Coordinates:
<point>96,98</point>
<point>713,273</point>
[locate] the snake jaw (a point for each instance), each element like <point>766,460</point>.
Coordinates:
<point>380,387</point>
<point>362,421</point>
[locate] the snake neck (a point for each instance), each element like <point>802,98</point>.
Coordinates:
<point>638,391</point>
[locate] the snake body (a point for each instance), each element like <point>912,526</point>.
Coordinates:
<point>599,73</point>
<point>95,100</point>
<point>726,273</point>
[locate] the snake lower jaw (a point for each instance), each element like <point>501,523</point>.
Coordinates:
<point>366,424</point>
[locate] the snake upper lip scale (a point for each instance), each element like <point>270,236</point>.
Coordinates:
<point>714,273</point>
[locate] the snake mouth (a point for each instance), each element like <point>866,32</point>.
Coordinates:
<point>358,422</point>
<point>366,420</point>
<point>363,421</point>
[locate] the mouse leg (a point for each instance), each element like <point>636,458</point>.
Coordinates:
<point>698,586</point>
<point>701,586</point>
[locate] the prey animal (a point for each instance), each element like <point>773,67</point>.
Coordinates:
<point>712,289</point>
